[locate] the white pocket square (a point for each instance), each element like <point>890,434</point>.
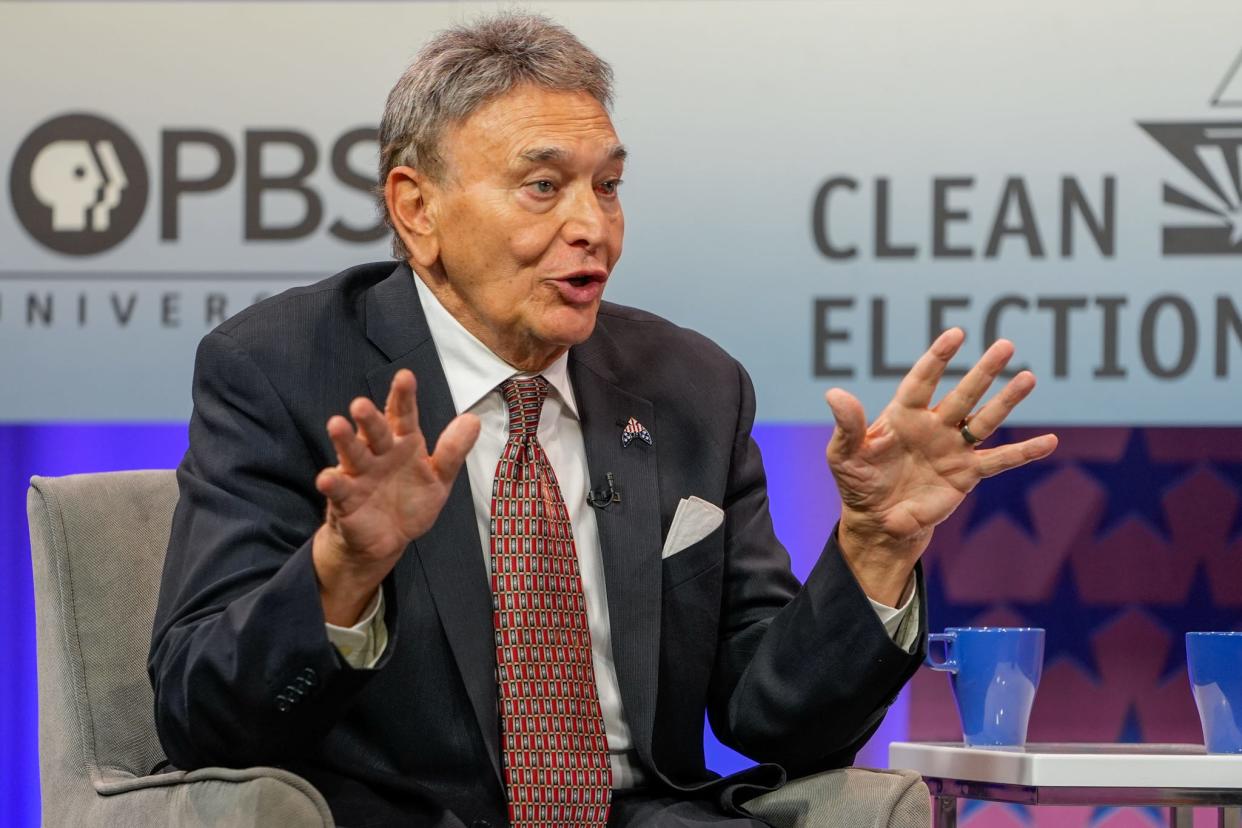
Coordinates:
<point>695,519</point>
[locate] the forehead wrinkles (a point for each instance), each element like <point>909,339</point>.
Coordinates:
<point>499,134</point>
<point>558,141</point>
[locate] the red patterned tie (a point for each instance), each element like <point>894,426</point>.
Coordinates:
<point>555,749</point>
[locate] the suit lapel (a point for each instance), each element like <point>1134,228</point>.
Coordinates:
<point>449,552</point>
<point>629,531</point>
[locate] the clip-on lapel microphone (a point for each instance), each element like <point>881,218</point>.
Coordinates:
<point>604,495</point>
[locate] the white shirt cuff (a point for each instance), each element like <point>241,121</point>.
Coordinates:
<point>892,617</point>
<point>362,644</point>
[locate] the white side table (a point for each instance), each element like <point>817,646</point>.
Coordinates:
<point>1179,777</point>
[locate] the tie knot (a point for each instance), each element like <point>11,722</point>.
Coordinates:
<point>524,396</point>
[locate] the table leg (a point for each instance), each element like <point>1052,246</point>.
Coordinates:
<point>1230,818</point>
<point>1181,817</point>
<point>945,815</point>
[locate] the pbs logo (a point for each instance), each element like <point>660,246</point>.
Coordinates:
<point>78,184</point>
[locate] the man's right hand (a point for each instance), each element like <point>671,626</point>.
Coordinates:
<point>384,492</point>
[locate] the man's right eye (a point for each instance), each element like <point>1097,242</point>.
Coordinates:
<point>543,187</point>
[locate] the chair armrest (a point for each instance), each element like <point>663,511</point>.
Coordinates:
<point>203,798</point>
<point>858,797</point>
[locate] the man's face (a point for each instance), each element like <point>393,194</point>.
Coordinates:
<point>528,221</point>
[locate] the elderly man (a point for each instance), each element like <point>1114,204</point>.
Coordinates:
<point>535,641</point>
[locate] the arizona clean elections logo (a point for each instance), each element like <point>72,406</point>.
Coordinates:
<point>1212,153</point>
<point>78,184</point>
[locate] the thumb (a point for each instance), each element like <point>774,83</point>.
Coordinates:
<point>454,444</point>
<point>851,422</point>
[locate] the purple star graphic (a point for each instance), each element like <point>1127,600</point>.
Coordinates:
<point>1068,623</point>
<point>1232,474</point>
<point>1007,494</point>
<point>1198,613</point>
<point>1135,485</point>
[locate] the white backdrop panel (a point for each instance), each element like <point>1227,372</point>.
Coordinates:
<point>1010,132</point>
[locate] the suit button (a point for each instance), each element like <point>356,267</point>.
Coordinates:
<point>309,675</point>
<point>283,704</point>
<point>480,823</point>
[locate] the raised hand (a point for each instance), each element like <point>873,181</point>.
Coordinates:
<point>384,492</point>
<point>912,467</point>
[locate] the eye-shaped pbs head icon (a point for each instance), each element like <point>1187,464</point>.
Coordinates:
<point>78,184</point>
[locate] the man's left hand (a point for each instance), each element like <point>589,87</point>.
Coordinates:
<point>906,473</point>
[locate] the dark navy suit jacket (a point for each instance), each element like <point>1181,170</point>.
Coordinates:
<point>243,671</point>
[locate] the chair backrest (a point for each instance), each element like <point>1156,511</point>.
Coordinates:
<point>97,544</point>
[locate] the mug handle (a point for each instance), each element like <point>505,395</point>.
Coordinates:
<point>949,663</point>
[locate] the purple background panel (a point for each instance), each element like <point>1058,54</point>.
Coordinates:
<point>50,450</point>
<point>1119,544</point>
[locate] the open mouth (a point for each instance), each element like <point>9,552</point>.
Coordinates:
<point>583,287</point>
<point>584,278</point>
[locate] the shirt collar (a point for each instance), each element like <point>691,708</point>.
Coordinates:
<point>471,368</point>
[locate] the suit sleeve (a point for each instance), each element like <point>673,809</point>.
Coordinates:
<point>804,675</point>
<point>240,661</point>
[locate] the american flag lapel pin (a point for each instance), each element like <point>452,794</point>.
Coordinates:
<point>632,430</point>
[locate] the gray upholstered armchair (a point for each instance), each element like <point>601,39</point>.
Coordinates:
<point>98,546</point>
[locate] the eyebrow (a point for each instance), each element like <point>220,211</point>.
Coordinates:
<point>543,155</point>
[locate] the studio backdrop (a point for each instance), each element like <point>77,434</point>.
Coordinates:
<point>819,186</point>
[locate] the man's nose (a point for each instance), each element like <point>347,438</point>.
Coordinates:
<point>585,222</point>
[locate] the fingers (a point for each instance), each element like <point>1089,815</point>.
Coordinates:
<point>455,442</point>
<point>962,400</point>
<point>372,427</point>
<point>851,422</point>
<point>376,433</point>
<point>401,409</point>
<point>351,452</point>
<point>918,386</point>
<point>333,485</point>
<point>990,417</point>
<point>1003,458</point>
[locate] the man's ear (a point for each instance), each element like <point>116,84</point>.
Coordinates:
<point>411,200</point>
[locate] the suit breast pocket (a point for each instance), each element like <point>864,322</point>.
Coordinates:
<point>693,561</point>
<point>689,622</point>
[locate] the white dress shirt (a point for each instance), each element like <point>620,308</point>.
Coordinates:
<point>474,375</point>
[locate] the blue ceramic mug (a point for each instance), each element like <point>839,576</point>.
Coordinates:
<point>1214,661</point>
<point>994,672</point>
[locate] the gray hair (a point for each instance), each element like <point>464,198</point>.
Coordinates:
<point>465,67</point>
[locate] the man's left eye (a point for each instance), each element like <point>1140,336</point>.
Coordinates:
<point>611,186</point>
